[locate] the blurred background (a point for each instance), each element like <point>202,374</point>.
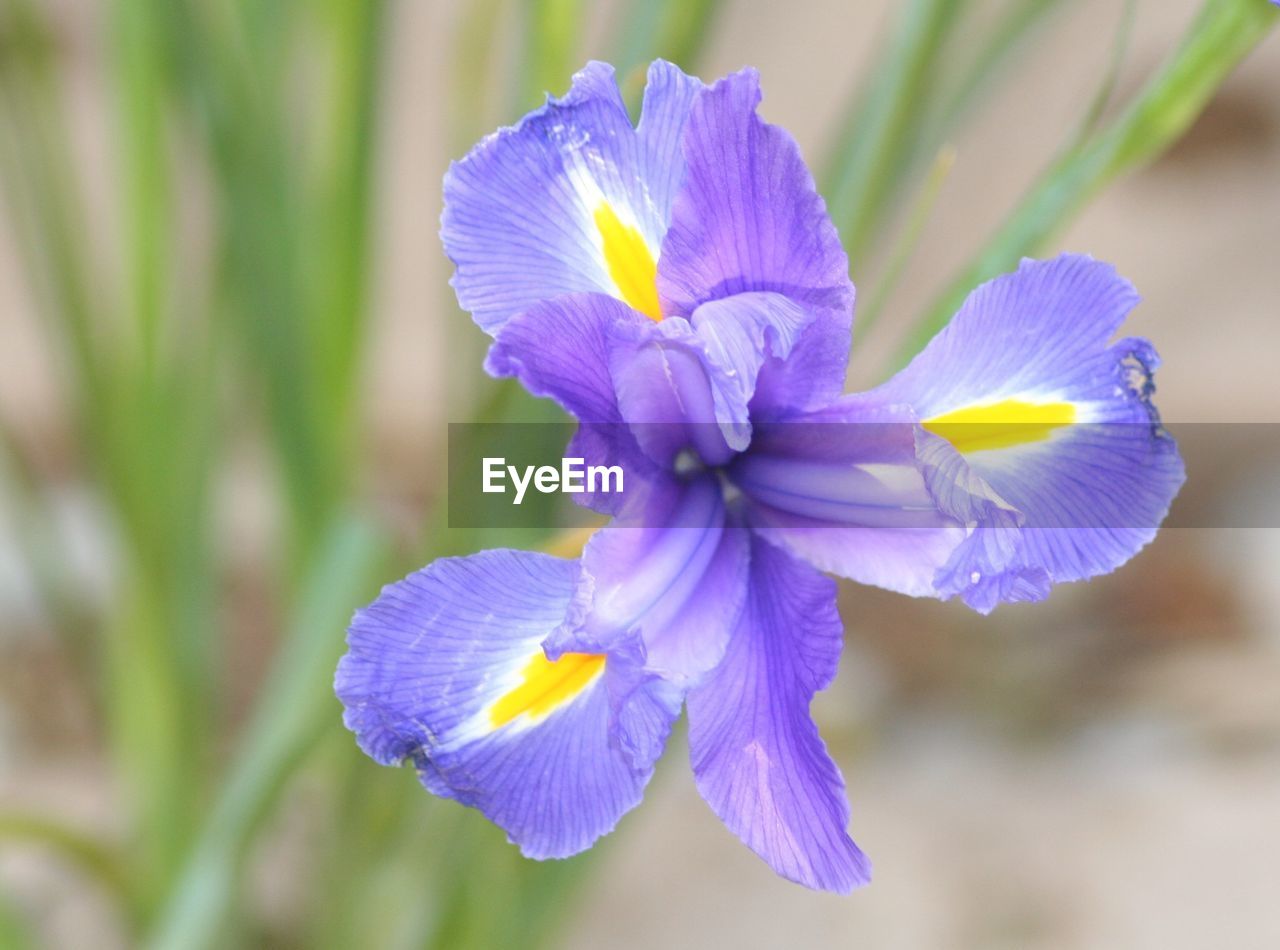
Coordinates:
<point>228,356</point>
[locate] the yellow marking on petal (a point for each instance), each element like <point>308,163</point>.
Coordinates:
<point>571,541</point>
<point>547,685</point>
<point>1001,425</point>
<point>630,264</point>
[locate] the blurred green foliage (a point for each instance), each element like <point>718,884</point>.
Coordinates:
<point>171,353</point>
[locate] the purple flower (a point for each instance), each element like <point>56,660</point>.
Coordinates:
<point>679,288</point>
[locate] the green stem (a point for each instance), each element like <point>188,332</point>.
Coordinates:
<point>295,706</point>
<point>906,245</point>
<point>879,130</point>
<point>44,194</point>
<point>1106,89</point>
<point>131,418</point>
<point>343,202</point>
<point>1223,34</point>
<point>15,934</point>
<point>144,160</point>
<point>1018,21</point>
<point>150,728</point>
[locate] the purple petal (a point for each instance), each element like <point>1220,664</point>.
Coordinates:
<point>1090,492</point>
<point>667,392</point>
<point>843,489</point>
<point>749,219</point>
<point>662,584</point>
<point>1040,331</point>
<point>757,756</point>
<point>611,367</point>
<point>986,568</point>
<point>433,674</point>
<point>519,218</point>
<point>679,384</point>
<point>689,383</point>
<point>668,97</point>
<point>740,336</point>
<point>562,349</point>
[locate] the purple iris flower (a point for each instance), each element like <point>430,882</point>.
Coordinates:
<point>678,287</point>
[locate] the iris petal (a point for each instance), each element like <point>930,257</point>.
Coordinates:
<point>678,383</point>
<point>446,669</point>
<point>520,216</point>
<point>749,219</point>
<point>561,349</point>
<point>741,336</point>
<point>1088,494</point>
<point>842,487</point>
<point>757,756</point>
<point>663,583</point>
<point>696,378</point>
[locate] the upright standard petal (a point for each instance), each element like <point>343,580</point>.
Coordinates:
<point>679,383</point>
<point>703,373</point>
<point>571,199</point>
<point>1052,420</point>
<point>446,669</point>
<point>749,219</point>
<point>757,756</point>
<point>741,337</point>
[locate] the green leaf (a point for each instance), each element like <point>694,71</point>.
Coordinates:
<point>294,707</point>
<point>882,123</point>
<point>1223,33</point>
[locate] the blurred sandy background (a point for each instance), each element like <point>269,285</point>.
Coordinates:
<point>1099,771</point>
